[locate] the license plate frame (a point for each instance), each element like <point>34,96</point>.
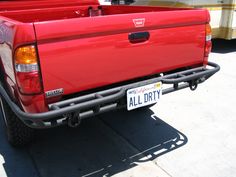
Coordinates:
<point>143,96</point>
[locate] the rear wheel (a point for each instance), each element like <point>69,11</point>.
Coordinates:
<point>18,134</point>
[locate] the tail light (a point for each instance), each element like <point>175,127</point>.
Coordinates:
<point>27,70</point>
<point>208,44</point>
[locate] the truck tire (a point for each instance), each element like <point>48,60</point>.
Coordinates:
<point>18,134</point>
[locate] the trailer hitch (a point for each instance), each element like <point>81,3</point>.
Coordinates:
<point>193,84</point>
<point>73,119</point>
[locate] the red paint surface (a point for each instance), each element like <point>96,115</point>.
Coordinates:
<point>78,52</point>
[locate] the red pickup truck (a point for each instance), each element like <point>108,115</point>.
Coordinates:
<point>63,61</point>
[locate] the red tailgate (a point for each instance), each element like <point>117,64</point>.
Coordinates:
<point>83,53</point>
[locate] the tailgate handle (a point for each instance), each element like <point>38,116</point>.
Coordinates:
<point>138,37</point>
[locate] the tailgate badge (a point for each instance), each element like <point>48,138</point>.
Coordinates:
<point>139,22</point>
<point>53,93</point>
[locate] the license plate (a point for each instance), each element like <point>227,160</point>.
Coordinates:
<point>143,96</point>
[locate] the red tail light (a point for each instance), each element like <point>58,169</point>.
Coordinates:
<point>208,44</point>
<point>27,70</point>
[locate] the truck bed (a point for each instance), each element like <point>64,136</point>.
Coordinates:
<point>26,15</point>
<point>78,51</point>
<point>63,61</point>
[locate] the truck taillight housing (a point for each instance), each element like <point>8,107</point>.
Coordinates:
<point>27,70</point>
<point>208,44</point>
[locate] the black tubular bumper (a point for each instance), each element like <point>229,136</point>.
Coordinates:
<point>106,100</point>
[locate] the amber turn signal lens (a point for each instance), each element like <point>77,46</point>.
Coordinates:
<point>208,29</point>
<point>26,55</point>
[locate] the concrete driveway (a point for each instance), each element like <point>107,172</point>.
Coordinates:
<point>186,134</point>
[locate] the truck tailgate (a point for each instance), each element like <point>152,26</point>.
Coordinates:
<point>83,53</point>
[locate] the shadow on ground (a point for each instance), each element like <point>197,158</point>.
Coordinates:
<point>105,145</point>
<point>223,46</point>
<point>146,132</point>
<point>14,162</point>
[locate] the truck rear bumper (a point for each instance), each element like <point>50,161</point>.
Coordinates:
<point>71,111</point>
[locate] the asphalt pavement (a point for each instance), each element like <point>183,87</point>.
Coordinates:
<point>186,134</point>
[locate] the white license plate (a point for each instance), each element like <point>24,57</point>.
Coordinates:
<point>143,96</point>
